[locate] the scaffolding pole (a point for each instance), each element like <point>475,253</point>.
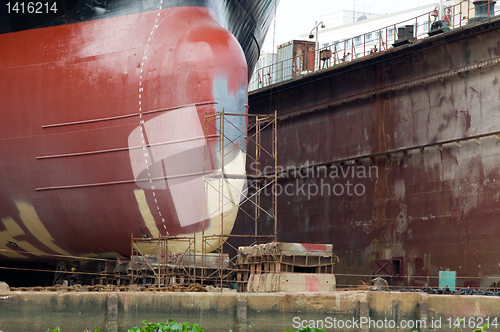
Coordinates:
<point>219,125</point>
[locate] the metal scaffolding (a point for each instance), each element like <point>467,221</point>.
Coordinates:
<point>151,258</point>
<point>220,149</point>
<point>151,262</point>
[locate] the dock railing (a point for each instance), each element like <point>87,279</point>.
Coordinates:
<point>379,40</point>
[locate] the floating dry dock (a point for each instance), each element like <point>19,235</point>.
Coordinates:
<point>415,130</point>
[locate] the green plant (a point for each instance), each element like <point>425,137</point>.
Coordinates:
<point>458,325</point>
<point>58,329</point>
<point>482,329</point>
<point>170,326</point>
<point>307,329</point>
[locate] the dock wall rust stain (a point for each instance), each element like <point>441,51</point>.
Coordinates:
<point>39,311</point>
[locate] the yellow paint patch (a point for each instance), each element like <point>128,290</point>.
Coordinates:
<point>13,230</point>
<point>182,245</point>
<point>35,226</point>
<point>149,220</point>
<point>6,237</point>
<point>12,227</point>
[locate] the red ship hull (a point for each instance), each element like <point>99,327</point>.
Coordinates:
<point>85,108</point>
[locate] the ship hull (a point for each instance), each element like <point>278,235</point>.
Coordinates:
<point>103,137</point>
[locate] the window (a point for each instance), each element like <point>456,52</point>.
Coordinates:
<point>426,26</point>
<point>357,41</point>
<point>390,32</point>
<point>368,36</point>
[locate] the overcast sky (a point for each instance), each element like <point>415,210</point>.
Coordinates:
<point>295,17</point>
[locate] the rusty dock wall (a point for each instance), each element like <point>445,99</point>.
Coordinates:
<point>116,311</point>
<point>396,159</point>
